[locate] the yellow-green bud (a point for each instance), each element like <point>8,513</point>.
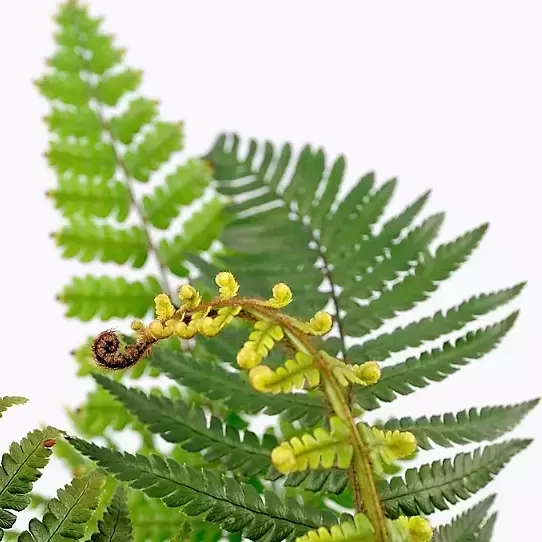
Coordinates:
<point>164,307</point>
<point>228,285</point>
<point>184,331</point>
<point>419,529</point>
<point>208,327</point>
<point>259,377</point>
<point>137,325</point>
<point>401,443</point>
<point>369,372</point>
<point>247,358</point>
<point>189,296</point>
<point>283,458</point>
<point>159,331</point>
<point>321,323</point>
<point>282,295</point>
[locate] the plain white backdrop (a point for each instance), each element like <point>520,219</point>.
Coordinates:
<point>444,96</point>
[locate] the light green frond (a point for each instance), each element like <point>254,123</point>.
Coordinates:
<point>91,198</point>
<point>434,365</point>
<point>236,507</point>
<point>113,86</point>
<point>20,468</point>
<point>82,122</point>
<point>115,526</point>
<point>181,188</point>
<point>87,241</point>
<point>177,422</point>
<point>473,425</point>
<point>108,297</point>
<point>140,112</point>
<point>68,513</point>
<point>359,529</point>
<point>433,327</point>
<point>466,526</point>
<point>442,483</point>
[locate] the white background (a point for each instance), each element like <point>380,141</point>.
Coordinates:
<point>444,95</point>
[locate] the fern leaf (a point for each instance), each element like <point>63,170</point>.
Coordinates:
<point>68,88</point>
<point>442,483</point>
<point>360,529</point>
<point>433,327</point>
<point>434,365</point>
<point>465,527</point>
<point>82,122</point>
<point>485,533</point>
<point>235,507</point>
<point>113,86</point>
<point>318,480</point>
<point>416,287</point>
<point>69,512</point>
<point>181,188</point>
<point>109,297</point>
<point>126,126</point>
<point>232,388</point>
<point>164,139</point>
<point>115,525</point>
<point>321,208</point>
<point>91,198</point>
<point>9,401</point>
<point>87,241</point>
<point>473,425</point>
<point>198,234</point>
<point>20,468</point>
<point>177,422</point>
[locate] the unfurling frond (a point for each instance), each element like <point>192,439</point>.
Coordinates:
<point>259,343</point>
<point>294,374</point>
<point>321,449</point>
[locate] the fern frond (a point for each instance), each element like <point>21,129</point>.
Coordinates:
<point>20,468</point>
<point>181,188</point>
<point>87,241</point>
<point>9,401</point>
<point>91,198</point>
<point>115,526</point>
<point>442,483</point>
<point>232,388</point>
<point>433,327</point>
<point>321,449</point>
<point>198,234</point>
<point>485,533</point>
<point>319,480</point>
<point>359,529</point>
<point>427,274</point>
<point>465,527</point>
<point>177,422</point>
<point>139,112</point>
<point>473,425</point>
<point>69,512</point>
<point>434,365</point>
<point>109,297</point>
<point>235,507</point>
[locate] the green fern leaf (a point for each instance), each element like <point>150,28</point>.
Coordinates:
<point>177,422</point>
<point>82,122</point>
<point>233,389</point>
<point>416,287</point>
<point>9,401</point>
<point>115,525</point>
<point>109,297</point>
<point>140,112</point>
<point>87,241</point>
<point>473,425</point>
<point>235,507</point>
<point>91,198</point>
<point>434,365</point>
<point>67,88</point>
<point>485,533</point>
<point>432,327</point>
<point>68,514</point>
<point>465,527</point>
<point>20,468</point>
<point>112,87</point>
<point>181,188</point>
<point>319,480</point>
<point>442,483</point>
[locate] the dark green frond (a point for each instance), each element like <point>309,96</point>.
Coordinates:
<point>67,514</point>
<point>473,425</point>
<point>465,527</point>
<point>485,533</point>
<point>176,422</point>
<point>9,401</point>
<point>20,468</point>
<point>415,287</point>
<point>237,508</point>
<point>442,483</point>
<point>432,327</point>
<point>233,389</point>
<point>115,526</point>
<point>87,241</point>
<point>109,297</point>
<point>434,365</point>
<point>319,480</point>
<point>91,198</point>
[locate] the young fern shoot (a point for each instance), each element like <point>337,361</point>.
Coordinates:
<point>346,444</point>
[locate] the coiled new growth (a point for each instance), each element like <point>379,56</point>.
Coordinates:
<point>346,445</point>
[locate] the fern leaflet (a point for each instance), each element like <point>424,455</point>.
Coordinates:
<point>115,526</point>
